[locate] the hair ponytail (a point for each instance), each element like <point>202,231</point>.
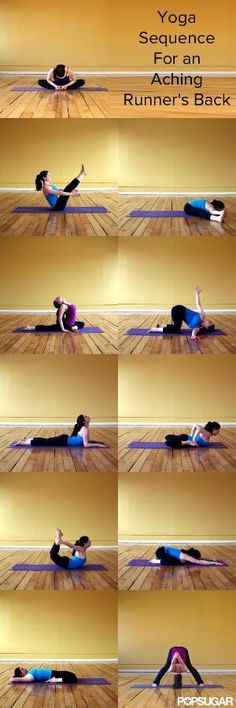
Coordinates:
<point>212,425</point>
<point>39,180</point>
<point>79,424</point>
<point>80,542</point>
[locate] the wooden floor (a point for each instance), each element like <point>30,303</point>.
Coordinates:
<point>141,698</point>
<point>49,343</point>
<point>170,227</point>
<point>57,459</point>
<point>57,223</point>
<point>60,580</point>
<point>211,344</point>
<point>111,103</point>
<point>197,460</point>
<point>49,696</point>
<point>177,577</point>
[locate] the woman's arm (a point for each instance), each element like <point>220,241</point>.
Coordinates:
<point>211,209</point>
<point>73,546</point>
<point>72,78</point>
<point>84,432</point>
<point>185,557</point>
<point>57,192</point>
<point>27,677</point>
<point>50,78</point>
<point>198,300</point>
<point>195,332</point>
<point>61,312</point>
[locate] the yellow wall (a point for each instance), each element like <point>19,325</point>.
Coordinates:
<point>58,388</point>
<point>162,272</point>
<point>90,507</point>
<point>59,146</point>
<point>151,622</point>
<point>177,389</point>
<point>155,506</point>
<point>83,271</point>
<point>105,35</point>
<point>58,625</point>
<point>177,155</point>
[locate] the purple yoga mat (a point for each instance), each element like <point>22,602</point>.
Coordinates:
<point>143,563</point>
<point>81,681</point>
<point>67,210</point>
<point>44,90</point>
<point>52,447</point>
<point>183,332</point>
<point>155,214</point>
<point>55,568</point>
<point>142,445</point>
<point>169,685</point>
<point>82,330</point>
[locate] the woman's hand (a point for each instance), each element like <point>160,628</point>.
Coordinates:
<point>198,290</point>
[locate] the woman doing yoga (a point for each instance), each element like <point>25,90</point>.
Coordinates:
<point>178,657</point>
<point>80,437</point>
<point>213,211</point>
<point>79,548</point>
<point>198,322</point>
<point>65,318</point>
<point>199,436</point>
<point>58,198</point>
<point>61,78</point>
<point>168,555</point>
<point>42,675</point>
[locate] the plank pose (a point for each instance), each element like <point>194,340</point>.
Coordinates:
<point>197,321</point>
<point>58,198</point>
<point>61,78</point>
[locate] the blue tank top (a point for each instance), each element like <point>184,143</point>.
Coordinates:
<point>51,199</point>
<point>198,203</point>
<point>174,552</point>
<point>199,440</point>
<point>41,674</point>
<point>76,562</point>
<point>75,441</point>
<point>192,318</point>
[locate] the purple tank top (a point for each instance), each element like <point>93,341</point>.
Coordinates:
<point>70,315</point>
<point>181,651</point>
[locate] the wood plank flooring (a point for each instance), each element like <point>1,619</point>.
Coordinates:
<point>57,223</point>
<point>170,227</point>
<point>140,698</point>
<point>60,580</point>
<point>49,696</point>
<point>184,460</point>
<point>49,343</point>
<point>57,459</point>
<point>177,577</point>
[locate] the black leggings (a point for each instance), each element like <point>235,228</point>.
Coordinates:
<point>78,83</point>
<point>175,441</point>
<point>56,327</point>
<point>165,558</point>
<point>165,668</point>
<point>191,210</point>
<point>177,316</point>
<point>62,201</point>
<point>59,440</point>
<point>66,676</point>
<point>62,561</point>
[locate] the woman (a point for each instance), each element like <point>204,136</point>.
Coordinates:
<point>65,319</point>
<point>198,322</point>
<point>180,656</point>
<point>61,78</point>
<point>168,555</point>
<point>58,198</point>
<point>206,210</point>
<point>78,551</point>
<point>199,436</point>
<point>80,437</point>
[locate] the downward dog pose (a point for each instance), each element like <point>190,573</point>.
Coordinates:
<point>168,555</point>
<point>178,657</point>
<point>80,437</point>
<point>206,210</point>
<point>65,318</point>
<point>197,321</point>
<point>61,78</point>
<point>78,551</point>
<point>58,198</point>
<point>199,436</point>
<point>45,675</point>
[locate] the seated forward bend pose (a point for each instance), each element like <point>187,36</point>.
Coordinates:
<point>43,674</point>
<point>168,555</point>
<point>198,322</point>
<point>61,78</point>
<point>80,437</point>
<point>178,656</point>
<point>65,318</point>
<point>206,210</point>
<point>79,548</point>
<point>58,198</point>
<point>199,436</point>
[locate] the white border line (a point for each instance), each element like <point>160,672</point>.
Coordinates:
<point>168,424</point>
<point>123,73</point>
<point>173,194</point>
<point>47,547</point>
<point>58,660</point>
<point>143,542</point>
<point>83,189</point>
<point>160,311</point>
<point>151,671</point>
<point>100,424</point>
<point>50,424</point>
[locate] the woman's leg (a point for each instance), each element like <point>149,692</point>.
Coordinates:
<point>192,669</point>
<point>66,676</point>
<point>78,83</point>
<point>62,201</point>
<point>177,315</point>
<point>164,669</point>
<point>47,328</point>
<point>44,83</point>
<point>191,210</point>
<point>59,440</point>
<point>62,561</point>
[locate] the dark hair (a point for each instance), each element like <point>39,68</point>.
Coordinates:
<point>210,426</point>
<point>217,204</point>
<point>56,304</point>
<point>80,542</point>
<point>79,424</point>
<point>39,179</point>
<point>192,552</point>
<point>204,330</point>
<point>59,70</point>
<point>17,672</point>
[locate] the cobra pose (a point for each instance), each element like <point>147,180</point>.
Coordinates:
<point>213,211</point>
<point>61,78</point>
<point>199,436</point>
<point>58,198</point>
<point>66,313</point>
<point>80,437</point>
<point>197,321</point>
<point>178,657</point>
<point>78,548</point>
<point>168,555</point>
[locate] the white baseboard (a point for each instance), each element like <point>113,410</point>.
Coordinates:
<point>200,542</point>
<point>82,189</point>
<point>113,311</point>
<point>30,547</point>
<point>55,424</point>
<point>151,671</point>
<point>168,424</point>
<point>160,193</point>
<point>58,660</point>
<point>135,73</point>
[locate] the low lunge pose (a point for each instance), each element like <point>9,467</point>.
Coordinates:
<point>65,318</point>
<point>61,78</point>
<point>197,321</point>
<point>80,437</point>
<point>178,657</point>
<point>43,674</point>
<point>213,211</point>
<point>58,198</point>
<point>168,555</point>
<point>79,548</point>
<point>199,436</point>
